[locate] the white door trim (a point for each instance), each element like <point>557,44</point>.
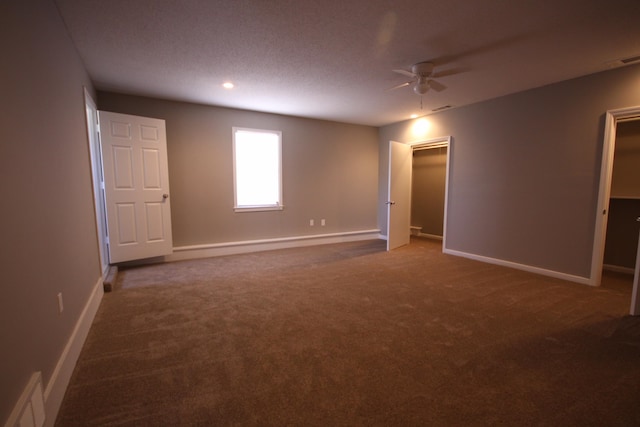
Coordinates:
<point>604,192</point>
<point>91,112</point>
<point>635,298</point>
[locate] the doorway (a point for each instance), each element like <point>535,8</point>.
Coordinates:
<point>400,183</point>
<point>428,190</point>
<point>612,118</point>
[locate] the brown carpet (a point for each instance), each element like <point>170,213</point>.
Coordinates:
<point>350,335</point>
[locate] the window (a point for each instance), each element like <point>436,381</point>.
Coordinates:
<point>257,169</point>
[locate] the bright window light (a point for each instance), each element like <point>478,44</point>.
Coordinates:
<point>257,169</point>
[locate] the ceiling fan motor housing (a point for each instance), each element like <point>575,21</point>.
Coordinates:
<point>422,69</point>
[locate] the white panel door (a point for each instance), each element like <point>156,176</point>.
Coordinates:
<point>399,200</point>
<point>136,179</point>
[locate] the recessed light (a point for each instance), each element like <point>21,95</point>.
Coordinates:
<point>227,85</point>
<point>414,116</point>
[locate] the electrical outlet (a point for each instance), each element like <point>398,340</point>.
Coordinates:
<point>311,223</point>
<point>60,304</point>
<point>322,222</point>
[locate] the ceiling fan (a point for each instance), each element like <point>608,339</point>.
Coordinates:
<point>421,80</point>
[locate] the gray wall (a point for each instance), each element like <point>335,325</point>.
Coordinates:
<point>330,171</point>
<point>525,170</point>
<point>428,190</point>
<point>49,242</point>
<point>524,186</point>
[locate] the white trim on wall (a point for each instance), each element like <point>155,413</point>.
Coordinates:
<point>430,236</point>
<point>517,266</point>
<point>57,385</point>
<point>618,269</point>
<point>232,248</point>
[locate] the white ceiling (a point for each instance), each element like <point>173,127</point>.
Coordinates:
<point>332,59</point>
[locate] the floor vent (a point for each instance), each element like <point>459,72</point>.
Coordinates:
<point>29,411</point>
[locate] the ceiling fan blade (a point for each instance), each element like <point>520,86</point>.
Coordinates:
<point>404,73</point>
<point>400,85</point>
<point>449,72</point>
<point>437,86</point>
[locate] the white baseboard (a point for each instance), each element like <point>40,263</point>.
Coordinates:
<point>524,267</point>
<point>619,269</point>
<point>429,236</point>
<point>57,386</point>
<point>232,248</point>
<point>419,234</point>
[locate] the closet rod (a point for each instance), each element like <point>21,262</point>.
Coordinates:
<point>431,146</point>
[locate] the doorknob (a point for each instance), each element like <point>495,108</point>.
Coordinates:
<point>165,196</point>
<point>391,203</point>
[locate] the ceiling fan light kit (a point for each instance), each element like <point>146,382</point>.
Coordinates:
<point>421,81</point>
<point>421,87</point>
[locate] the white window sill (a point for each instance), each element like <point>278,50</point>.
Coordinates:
<point>257,208</point>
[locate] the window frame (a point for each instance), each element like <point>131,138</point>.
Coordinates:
<point>278,206</point>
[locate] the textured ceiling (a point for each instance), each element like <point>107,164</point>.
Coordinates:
<point>332,59</point>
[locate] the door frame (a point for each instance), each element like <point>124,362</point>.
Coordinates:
<point>612,117</point>
<point>444,141</point>
<point>95,152</point>
<point>431,143</point>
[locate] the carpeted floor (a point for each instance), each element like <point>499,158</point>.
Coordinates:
<point>350,335</point>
